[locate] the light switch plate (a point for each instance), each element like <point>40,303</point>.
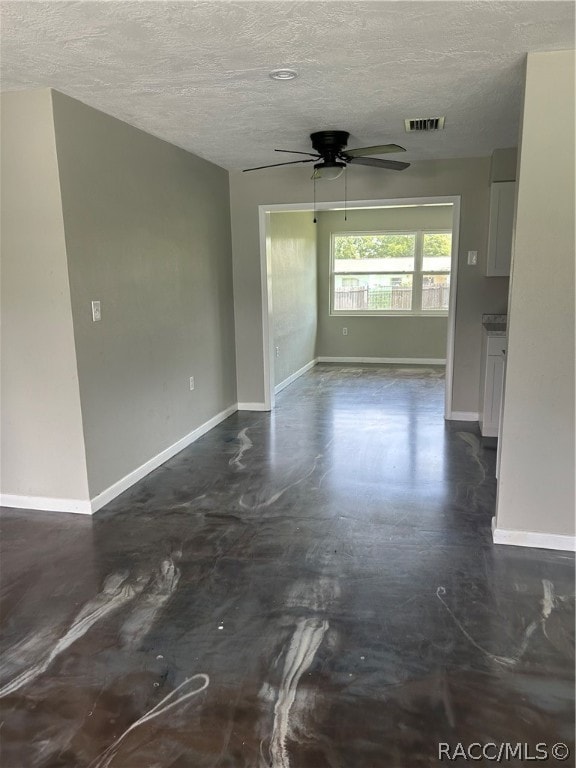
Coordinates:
<point>96,311</point>
<point>472,258</point>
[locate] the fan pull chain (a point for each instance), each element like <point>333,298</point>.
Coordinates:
<point>345,193</point>
<point>314,187</point>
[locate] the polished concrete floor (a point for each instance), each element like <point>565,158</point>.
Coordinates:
<point>316,587</point>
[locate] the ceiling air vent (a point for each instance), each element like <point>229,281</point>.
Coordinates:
<point>424,124</point>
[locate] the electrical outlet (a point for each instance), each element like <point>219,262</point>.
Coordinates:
<point>277,351</point>
<point>344,331</point>
<point>96,311</point>
<point>472,258</point>
<point>191,382</point>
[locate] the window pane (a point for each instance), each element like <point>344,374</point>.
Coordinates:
<point>374,253</point>
<point>365,293</point>
<point>437,251</point>
<point>435,291</point>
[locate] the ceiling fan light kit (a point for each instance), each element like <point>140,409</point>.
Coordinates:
<point>329,170</point>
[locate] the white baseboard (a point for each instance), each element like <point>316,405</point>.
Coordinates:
<point>462,416</point>
<point>533,539</point>
<point>144,469</point>
<point>89,507</point>
<point>386,360</point>
<point>253,407</point>
<point>294,376</point>
<point>46,504</point>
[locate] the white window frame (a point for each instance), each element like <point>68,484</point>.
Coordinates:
<point>417,275</point>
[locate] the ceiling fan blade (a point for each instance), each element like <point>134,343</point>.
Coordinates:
<point>381,149</point>
<point>374,162</point>
<point>274,165</point>
<point>293,152</point>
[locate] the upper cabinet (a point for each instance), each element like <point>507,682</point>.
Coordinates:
<point>502,194</point>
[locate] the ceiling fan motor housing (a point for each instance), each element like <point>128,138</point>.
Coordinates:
<point>329,144</point>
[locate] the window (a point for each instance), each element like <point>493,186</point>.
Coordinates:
<point>390,272</point>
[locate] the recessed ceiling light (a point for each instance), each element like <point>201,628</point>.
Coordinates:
<point>283,74</point>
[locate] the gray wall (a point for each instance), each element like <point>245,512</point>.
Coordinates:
<point>469,178</point>
<point>294,291</point>
<point>536,483</point>
<point>42,441</point>
<point>148,234</point>
<point>420,337</point>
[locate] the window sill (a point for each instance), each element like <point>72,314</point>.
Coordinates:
<point>390,313</point>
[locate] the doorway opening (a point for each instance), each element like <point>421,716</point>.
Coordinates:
<point>392,258</point>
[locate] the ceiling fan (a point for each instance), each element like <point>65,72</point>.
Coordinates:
<point>333,156</point>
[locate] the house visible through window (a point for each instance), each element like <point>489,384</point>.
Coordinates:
<point>391,272</point>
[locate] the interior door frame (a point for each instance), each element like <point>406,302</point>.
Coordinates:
<point>264,212</point>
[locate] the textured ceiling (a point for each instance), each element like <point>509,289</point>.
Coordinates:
<point>196,73</point>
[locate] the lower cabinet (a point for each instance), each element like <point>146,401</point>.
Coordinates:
<point>492,373</point>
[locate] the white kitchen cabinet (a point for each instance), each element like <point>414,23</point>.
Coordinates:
<point>492,371</point>
<point>502,195</point>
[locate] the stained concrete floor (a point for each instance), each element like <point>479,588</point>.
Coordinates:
<point>316,587</point>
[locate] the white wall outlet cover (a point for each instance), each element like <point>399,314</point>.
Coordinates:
<point>96,311</point>
<point>191,382</point>
<point>344,331</point>
<point>472,257</point>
